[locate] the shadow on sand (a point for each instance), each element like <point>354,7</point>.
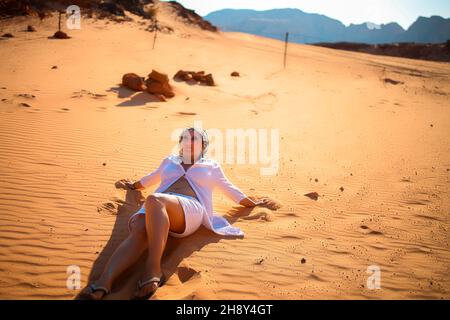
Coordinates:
<point>135,99</point>
<point>177,249</point>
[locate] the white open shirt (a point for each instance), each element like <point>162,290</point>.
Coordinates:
<point>204,176</point>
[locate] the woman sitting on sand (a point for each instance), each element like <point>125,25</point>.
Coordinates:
<point>179,206</point>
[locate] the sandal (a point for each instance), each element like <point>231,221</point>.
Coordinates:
<point>161,281</point>
<point>90,295</point>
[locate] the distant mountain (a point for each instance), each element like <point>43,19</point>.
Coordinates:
<point>313,28</point>
<point>302,27</point>
<point>385,33</point>
<point>433,30</point>
<point>371,25</point>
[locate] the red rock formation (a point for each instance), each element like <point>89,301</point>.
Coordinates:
<point>133,81</point>
<point>197,76</point>
<point>60,35</point>
<point>158,84</point>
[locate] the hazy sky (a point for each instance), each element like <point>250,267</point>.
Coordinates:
<point>405,12</point>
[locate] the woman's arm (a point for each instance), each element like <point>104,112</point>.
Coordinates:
<point>234,193</point>
<point>229,189</point>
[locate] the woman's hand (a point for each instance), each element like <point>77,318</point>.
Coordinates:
<point>265,202</point>
<point>251,202</point>
<point>128,184</point>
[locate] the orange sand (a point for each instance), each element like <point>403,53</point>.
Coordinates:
<point>339,122</point>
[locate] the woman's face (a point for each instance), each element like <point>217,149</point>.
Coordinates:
<point>191,144</point>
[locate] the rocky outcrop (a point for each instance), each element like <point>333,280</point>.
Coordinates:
<point>158,84</point>
<point>60,35</point>
<point>433,52</point>
<point>104,9</point>
<point>134,82</point>
<point>195,77</point>
<point>191,17</point>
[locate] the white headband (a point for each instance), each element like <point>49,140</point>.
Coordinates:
<point>205,139</point>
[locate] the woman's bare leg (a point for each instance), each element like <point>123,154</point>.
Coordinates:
<point>125,255</point>
<point>162,213</point>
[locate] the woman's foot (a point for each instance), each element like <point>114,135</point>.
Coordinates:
<point>94,292</point>
<point>148,287</point>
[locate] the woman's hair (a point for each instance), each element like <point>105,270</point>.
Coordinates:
<point>202,133</point>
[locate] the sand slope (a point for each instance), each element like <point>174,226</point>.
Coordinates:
<point>340,123</point>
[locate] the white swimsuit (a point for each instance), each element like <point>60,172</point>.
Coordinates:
<point>204,176</point>
<point>193,214</point>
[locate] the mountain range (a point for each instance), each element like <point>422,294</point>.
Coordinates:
<point>314,28</point>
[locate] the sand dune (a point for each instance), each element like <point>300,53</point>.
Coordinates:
<point>377,154</point>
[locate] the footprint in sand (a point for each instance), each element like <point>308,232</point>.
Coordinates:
<point>117,201</point>
<point>108,207</point>
<point>26,95</point>
<point>261,214</point>
<point>83,93</point>
<point>113,206</point>
<point>185,284</point>
<point>183,275</point>
<point>264,102</point>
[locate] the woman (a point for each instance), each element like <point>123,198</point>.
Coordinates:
<point>178,207</point>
